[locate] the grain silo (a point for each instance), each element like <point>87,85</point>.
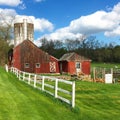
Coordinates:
<point>23,29</point>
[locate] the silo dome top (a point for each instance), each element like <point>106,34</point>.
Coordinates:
<point>20,19</point>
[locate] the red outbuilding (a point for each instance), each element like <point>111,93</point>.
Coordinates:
<point>74,64</point>
<point>29,58</point>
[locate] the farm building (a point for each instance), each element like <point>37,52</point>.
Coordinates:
<point>74,64</point>
<point>28,57</point>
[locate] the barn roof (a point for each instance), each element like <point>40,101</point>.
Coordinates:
<point>27,43</point>
<point>73,57</point>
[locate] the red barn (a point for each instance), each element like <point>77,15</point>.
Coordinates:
<point>29,58</point>
<point>74,64</point>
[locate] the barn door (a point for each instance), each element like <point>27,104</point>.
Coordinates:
<point>52,67</point>
<point>78,67</point>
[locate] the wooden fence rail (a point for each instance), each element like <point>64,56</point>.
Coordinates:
<point>48,84</point>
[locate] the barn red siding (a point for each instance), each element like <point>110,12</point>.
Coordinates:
<point>68,67</point>
<point>86,67</point>
<point>74,64</point>
<point>71,67</point>
<point>27,52</point>
<point>16,58</point>
<point>44,68</point>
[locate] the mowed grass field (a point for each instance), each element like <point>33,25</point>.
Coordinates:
<point>106,65</point>
<point>94,101</point>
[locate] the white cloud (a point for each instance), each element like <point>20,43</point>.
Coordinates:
<point>7,16</point>
<point>8,12</point>
<point>42,24</point>
<point>100,21</point>
<point>107,22</point>
<point>114,16</point>
<point>10,2</point>
<point>114,32</point>
<point>63,34</point>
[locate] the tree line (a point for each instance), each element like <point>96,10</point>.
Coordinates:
<point>4,48</point>
<point>90,47</point>
<point>6,34</point>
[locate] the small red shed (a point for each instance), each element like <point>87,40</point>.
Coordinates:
<point>74,64</point>
<point>29,58</point>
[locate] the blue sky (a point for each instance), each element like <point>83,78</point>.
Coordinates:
<point>62,19</point>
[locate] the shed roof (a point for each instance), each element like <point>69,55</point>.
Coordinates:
<point>73,57</point>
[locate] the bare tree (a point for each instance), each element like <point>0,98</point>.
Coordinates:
<point>6,34</point>
<point>6,27</point>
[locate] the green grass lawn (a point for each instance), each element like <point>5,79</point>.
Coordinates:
<point>105,65</point>
<point>94,101</point>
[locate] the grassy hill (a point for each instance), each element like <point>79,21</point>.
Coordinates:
<point>94,101</point>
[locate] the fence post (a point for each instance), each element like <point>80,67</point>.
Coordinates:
<point>29,79</point>
<point>6,68</point>
<point>35,80</point>
<point>56,87</point>
<point>94,74</point>
<point>73,94</point>
<point>104,73</point>
<point>43,79</point>
<point>14,70</point>
<point>19,74</point>
<point>23,76</point>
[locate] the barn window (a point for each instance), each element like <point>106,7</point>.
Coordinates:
<point>37,65</point>
<point>77,64</point>
<point>27,65</point>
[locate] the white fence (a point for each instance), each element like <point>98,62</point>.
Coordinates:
<point>50,85</point>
